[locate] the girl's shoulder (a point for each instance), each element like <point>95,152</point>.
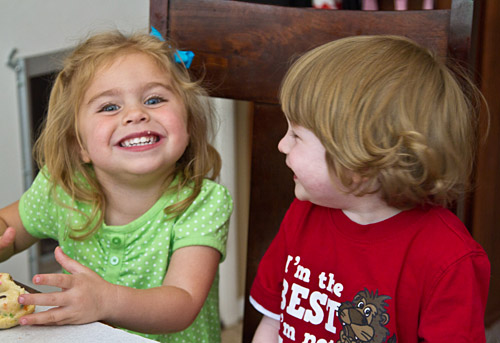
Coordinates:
<point>42,187</point>
<point>213,191</point>
<point>44,180</point>
<point>212,186</point>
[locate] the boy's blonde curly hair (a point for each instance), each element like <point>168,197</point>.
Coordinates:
<point>57,150</point>
<point>390,111</point>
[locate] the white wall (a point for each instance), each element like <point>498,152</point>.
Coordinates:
<point>233,143</point>
<point>37,27</point>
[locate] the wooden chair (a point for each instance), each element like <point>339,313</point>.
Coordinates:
<point>244,49</point>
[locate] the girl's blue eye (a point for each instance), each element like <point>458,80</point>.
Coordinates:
<point>154,100</point>
<point>109,108</point>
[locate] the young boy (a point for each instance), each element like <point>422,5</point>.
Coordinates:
<point>380,141</point>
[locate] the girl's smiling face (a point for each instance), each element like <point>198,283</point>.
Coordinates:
<point>131,122</point>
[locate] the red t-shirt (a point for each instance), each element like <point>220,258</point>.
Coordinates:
<point>415,277</point>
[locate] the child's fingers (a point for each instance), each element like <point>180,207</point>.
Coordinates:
<point>62,281</point>
<point>54,316</point>
<point>68,263</point>
<point>44,299</point>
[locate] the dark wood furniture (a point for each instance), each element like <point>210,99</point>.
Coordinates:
<point>243,51</point>
<point>485,206</point>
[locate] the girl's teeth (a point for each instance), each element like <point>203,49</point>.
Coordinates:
<point>138,141</point>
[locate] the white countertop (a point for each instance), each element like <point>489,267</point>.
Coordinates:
<point>87,333</point>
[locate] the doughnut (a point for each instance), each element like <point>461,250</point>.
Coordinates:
<point>10,309</point>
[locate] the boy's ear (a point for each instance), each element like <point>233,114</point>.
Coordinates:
<point>357,179</point>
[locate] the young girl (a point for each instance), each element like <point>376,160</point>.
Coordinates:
<point>380,139</point>
<point>124,155</point>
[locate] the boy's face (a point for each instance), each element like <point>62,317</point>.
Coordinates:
<point>305,156</point>
<point>131,122</point>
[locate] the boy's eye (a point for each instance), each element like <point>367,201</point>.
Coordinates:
<point>109,108</point>
<point>154,100</point>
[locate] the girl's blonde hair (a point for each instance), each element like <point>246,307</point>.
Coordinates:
<point>58,147</point>
<point>390,111</point>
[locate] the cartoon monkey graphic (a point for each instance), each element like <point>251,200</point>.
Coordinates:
<point>364,319</point>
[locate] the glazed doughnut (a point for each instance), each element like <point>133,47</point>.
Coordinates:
<point>10,309</point>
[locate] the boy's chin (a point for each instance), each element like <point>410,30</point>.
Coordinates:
<point>300,194</point>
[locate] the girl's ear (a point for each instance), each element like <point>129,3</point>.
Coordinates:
<point>80,149</point>
<point>84,155</point>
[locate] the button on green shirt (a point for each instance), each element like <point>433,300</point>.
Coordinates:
<point>138,254</point>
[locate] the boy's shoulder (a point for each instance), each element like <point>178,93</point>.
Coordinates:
<point>434,227</point>
<point>442,239</point>
<point>444,224</point>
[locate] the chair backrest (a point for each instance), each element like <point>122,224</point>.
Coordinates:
<point>244,49</point>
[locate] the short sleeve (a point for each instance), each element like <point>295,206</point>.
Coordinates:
<point>206,220</point>
<point>455,308</point>
<point>36,209</point>
<point>265,294</point>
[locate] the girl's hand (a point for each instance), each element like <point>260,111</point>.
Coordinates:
<point>7,243</point>
<point>80,300</point>
<point>13,236</point>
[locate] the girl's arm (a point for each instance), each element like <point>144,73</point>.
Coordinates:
<point>267,331</point>
<point>86,297</point>
<point>175,305</point>
<point>13,236</point>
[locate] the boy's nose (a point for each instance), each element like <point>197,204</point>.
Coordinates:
<point>282,145</point>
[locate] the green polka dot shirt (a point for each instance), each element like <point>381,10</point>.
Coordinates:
<point>138,254</point>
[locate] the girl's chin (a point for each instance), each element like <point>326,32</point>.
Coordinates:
<point>144,172</point>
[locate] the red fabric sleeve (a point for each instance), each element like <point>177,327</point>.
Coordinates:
<point>268,284</point>
<point>454,310</point>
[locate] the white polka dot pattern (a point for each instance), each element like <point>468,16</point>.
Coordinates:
<point>137,254</point>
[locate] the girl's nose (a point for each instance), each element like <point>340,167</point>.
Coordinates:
<point>135,115</point>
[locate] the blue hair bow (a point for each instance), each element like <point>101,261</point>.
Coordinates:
<point>185,57</point>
